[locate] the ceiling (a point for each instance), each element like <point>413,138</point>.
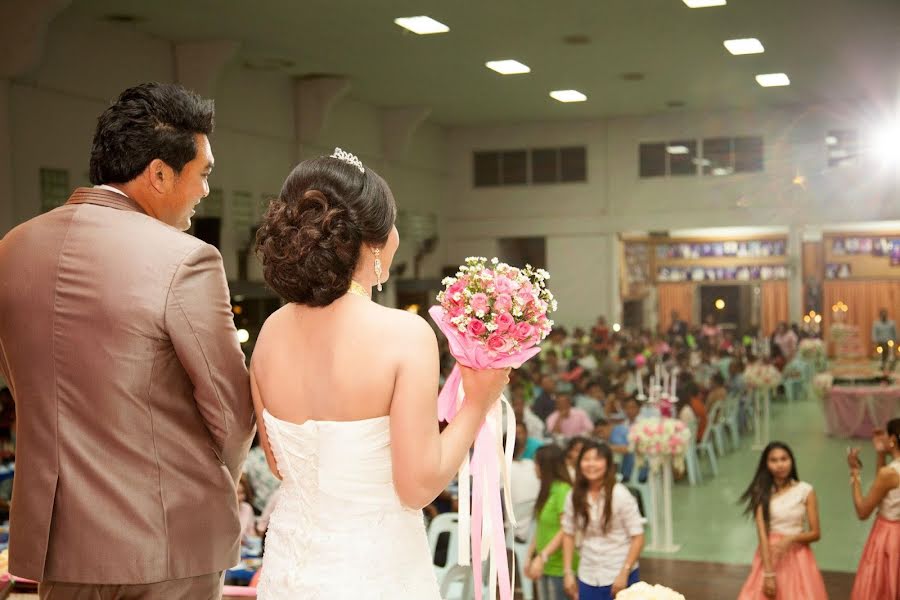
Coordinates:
<point>833,50</point>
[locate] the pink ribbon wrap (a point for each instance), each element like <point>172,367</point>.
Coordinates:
<point>488,467</point>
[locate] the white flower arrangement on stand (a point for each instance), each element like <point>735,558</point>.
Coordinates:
<point>662,442</point>
<point>822,383</point>
<point>645,591</point>
<point>762,379</point>
<point>813,350</point>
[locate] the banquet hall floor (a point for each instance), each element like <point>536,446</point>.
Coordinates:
<point>709,524</point>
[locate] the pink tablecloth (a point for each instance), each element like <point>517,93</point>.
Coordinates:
<point>853,411</point>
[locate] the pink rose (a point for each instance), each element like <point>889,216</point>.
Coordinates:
<point>499,343</point>
<point>477,328</point>
<point>503,303</point>
<point>523,331</point>
<point>455,310</point>
<point>524,292</point>
<point>504,285</point>
<point>479,302</point>
<point>504,322</point>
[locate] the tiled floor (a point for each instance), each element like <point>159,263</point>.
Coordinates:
<point>708,522</point>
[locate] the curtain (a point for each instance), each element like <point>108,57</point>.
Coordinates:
<point>864,299</point>
<point>674,296</point>
<point>773,305</point>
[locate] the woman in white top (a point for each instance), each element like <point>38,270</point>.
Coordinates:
<point>603,517</point>
<point>787,522</point>
<point>878,575</point>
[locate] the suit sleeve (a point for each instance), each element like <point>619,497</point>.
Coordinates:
<point>201,327</point>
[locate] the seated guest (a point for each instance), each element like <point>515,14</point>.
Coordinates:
<point>602,430</point>
<point>260,477</point>
<point>552,365</point>
<point>691,408</point>
<point>245,509</point>
<point>567,420</point>
<point>543,403</point>
<point>717,391</point>
<point>524,483</point>
<point>532,422</point>
<point>526,444</point>
<point>573,449</point>
<point>704,371</point>
<point>786,341</point>
<point>614,404</point>
<point>591,400</point>
<point>618,440</point>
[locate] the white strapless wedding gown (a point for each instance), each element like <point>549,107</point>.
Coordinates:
<point>339,531</point>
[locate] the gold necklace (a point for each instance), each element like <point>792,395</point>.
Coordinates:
<point>358,290</point>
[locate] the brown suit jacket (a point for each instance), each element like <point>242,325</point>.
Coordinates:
<point>132,398</point>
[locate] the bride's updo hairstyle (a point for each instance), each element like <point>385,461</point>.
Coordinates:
<point>311,237</point>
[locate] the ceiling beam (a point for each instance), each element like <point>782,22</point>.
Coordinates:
<point>198,65</point>
<point>397,128</point>
<point>314,97</point>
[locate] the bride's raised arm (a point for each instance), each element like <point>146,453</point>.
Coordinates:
<point>425,460</point>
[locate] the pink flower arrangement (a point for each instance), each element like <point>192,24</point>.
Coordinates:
<point>657,439</point>
<point>498,306</point>
<point>494,316</point>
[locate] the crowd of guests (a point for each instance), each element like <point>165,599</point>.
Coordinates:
<point>576,511</point>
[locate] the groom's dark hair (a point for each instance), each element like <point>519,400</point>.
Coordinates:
<point>148,121</point>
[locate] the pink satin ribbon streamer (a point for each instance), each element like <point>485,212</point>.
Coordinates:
<point>485,465</point>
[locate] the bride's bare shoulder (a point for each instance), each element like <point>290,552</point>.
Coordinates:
<point>408,326</point>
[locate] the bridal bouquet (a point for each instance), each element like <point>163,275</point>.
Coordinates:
<point>656,439</point>
<point>645,591</point>
<point>762,376</point>
<point>494,317</point>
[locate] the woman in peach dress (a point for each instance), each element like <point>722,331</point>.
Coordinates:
<point>787,521</point>
<point>878,575</point>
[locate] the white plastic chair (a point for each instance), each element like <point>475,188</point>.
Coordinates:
<point>457,584</point>
<point>446,523</point>
<point>707,446</point>
<point>731,419</point>
<point>691,462</point>
<point>716,424</point>
<point>519,553</point>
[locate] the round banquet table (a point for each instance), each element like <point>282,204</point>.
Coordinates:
<point>854,411</point>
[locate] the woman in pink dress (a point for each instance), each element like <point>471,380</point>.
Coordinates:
<point>787,521</point>
<point>878,575</point>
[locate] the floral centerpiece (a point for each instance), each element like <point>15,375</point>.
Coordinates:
<point>762,376</point>
<point>822,383</point>
<point>645,591</point>
<point>655,439</point>
<point>814,351</point>
<point>494,316</point>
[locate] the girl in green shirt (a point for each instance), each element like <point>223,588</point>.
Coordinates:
<point>545,562</point>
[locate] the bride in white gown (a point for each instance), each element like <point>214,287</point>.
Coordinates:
<point>345,394</point>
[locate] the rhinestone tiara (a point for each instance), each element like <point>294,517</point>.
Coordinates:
<point>348,158</point>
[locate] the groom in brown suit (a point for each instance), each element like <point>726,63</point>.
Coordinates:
<point>132,399</point>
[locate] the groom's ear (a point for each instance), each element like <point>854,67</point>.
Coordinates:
<point>160,176</point>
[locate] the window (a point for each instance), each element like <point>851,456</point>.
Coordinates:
<point>529,167</point>
<point>717,159</point>
<point>653,160</point>
<point>843,148</point>
<point>514,167</point>
<point>487,169</point>
<point>544,165</point>
<point>682,157</point>
<point>573,164</point>
<point>748,154</point>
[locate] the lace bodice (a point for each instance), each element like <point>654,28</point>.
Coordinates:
<point>339,531</point>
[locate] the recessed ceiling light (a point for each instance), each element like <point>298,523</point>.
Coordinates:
<point>773,80</point>
<point>422,25</point>
<point>720,171</point>
<point>831,140</point>
<point>744,46</point>
<point>507,67</point>
<point>568,96</point>
<point>704,3</point>
<point>677,149</point>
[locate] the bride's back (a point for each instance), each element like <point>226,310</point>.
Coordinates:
<point>334,363</point>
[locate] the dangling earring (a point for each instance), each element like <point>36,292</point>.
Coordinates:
<point>377,253</point>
